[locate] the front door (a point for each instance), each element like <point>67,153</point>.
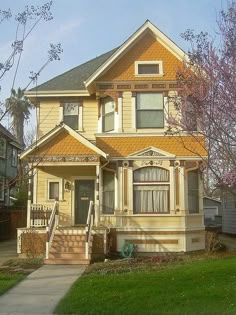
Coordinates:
<point>84,193</point>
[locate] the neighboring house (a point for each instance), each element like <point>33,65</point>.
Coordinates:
<point>102,138</point>
<point>212,211</point>
<point>228,211</point>
<point>9,165</point>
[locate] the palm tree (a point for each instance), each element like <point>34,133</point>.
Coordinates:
<point>18,106</point>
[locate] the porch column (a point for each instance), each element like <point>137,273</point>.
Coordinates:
<point>182,188</point>
<point>172,186</point>
<point>29,198</point>
<point>97,199</point>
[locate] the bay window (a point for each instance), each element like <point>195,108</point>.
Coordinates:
<point>149,110</point>
<point>108,192</point>
<point>151,190</point>
<point>193,192</point>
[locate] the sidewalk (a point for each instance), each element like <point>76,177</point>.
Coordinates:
<point>40,292</point>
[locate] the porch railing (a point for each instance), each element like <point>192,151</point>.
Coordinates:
<point>51,226</point>
<point>88,229</point>
<point>40,215</point>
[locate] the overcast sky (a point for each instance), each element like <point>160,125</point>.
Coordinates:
<point>89,28</point>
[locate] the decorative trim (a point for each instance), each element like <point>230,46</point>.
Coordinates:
<point>147,163</point>
<point>64,158</point>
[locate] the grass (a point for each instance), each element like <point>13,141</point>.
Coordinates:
<point>200,287</point>
<point>8,281</point>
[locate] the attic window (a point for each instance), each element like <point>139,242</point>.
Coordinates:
<point>148,68</point>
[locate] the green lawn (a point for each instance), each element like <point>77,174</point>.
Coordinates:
<point>9,280</point>
<point>197,287</point>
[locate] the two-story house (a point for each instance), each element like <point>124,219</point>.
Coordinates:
<point>9,151</point>
<point>102,137</point>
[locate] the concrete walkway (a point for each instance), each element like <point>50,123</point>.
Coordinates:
<point>40,292</point>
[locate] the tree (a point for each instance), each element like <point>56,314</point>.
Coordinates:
<point>18,106</point>
<point>207,96</point>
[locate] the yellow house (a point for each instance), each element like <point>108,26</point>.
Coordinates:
<point>104,154</point>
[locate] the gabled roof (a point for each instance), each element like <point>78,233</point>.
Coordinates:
<point>73,80</point>
<point>62,140</point>
<point>78,79</point>
<point>147,26</point>
<point>7,134</point>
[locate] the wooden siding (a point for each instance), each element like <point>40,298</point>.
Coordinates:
<point>90,118</point>
<point>127,111</point>
<point>49,116</point>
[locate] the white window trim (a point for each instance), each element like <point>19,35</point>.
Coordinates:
<point>156,62</point>
<point>53,180</point>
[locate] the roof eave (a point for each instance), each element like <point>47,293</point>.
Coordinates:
<point>55,93</point>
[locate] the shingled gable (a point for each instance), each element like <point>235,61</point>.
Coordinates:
<point>120,51</point>
<point>84,144</point>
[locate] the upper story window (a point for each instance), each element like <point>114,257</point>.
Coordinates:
<point>71,115</point>
<point>148,68</point>
<point>108,114</point>
<point>150,110</point>
<point>14,157</point>
<point>2,148</point>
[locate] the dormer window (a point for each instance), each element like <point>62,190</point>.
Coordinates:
<point>108,110</point>
<point>148,68</point>
<point>71,115</point>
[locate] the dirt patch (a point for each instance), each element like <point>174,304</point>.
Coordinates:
<point>19,265</point>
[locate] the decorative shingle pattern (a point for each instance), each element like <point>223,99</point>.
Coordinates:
<point>179,146</point>
<point>63,144</point>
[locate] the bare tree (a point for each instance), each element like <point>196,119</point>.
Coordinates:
<point>207,94</point>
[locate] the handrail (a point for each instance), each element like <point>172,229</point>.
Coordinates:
<point>88,229</point>
<point>50,229</point>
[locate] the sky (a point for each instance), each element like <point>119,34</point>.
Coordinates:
<point>89,28</point>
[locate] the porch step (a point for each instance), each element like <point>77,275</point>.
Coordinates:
<point>68,247</point>
<point>61,261</point>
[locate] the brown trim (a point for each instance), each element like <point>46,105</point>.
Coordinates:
<point>174,241</point>
<point>172,163</point>
<point>160,232</point>
<point>125,183</point>
<point>181,163</point>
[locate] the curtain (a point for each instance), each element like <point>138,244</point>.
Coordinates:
<point>151,174</point>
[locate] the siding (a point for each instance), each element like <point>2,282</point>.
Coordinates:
<point>49,116</point>
<point>127,111</point>
<point>90,118</point>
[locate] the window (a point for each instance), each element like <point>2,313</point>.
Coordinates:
<point>1,188</point>
<point>2,148</point>
<point>151,195</point>
<point>193,193</point>
<point>150,110</point>
<point>14,157</point>
<point>190,115</point>
<point>108,192</point>
<point>53,190</point>
<point>148,68</point>
<point>71,115</point>
<point>108,107</point>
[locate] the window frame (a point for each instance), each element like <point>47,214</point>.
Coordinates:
<point>78,114</point>
<point>149,110</point>
<point>195,190</point>
<point>104,115</point>
<point>150,62</point>
<point>113,173</point>
<point>2,189</point>
<point>14,160</point>
<point>60,188</point>
<point>3,156</point>
<point>165,183</point>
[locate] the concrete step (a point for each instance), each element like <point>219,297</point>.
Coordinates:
<point>61,261</point>
<point>70,232</point>
<point>68,243</point>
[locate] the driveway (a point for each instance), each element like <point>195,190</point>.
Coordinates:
<point>7,251</point>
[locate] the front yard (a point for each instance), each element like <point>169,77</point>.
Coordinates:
<point>202,286</point>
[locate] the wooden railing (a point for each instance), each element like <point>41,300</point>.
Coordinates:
<point>52,224</point>
<point>89,225</point>
<point>40,215</point>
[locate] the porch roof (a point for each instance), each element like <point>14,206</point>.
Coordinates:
<point>185,146</point>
